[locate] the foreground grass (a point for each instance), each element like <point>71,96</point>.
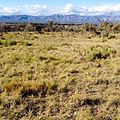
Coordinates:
<point>59,76</point>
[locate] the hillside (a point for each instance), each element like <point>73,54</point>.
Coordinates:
<point>68,19</point>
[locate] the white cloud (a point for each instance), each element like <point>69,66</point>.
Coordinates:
<point>9,10</point>
<point>35,9</point>
<point>67,9</point>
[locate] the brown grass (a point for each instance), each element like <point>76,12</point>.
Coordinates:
<point>59,76</point>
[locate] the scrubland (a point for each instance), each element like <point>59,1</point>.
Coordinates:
<point>59,76</point>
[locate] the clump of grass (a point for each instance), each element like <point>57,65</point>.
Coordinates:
<point>28,88</point>
<point>28,44</point>
<point>100,52</point>
<point>84,114</point>
<point>8,42</point>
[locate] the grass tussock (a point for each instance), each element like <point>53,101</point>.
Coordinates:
<point>27,88</point>
<point>8,42</point>
<point>100,52</point>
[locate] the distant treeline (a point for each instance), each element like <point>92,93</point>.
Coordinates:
<point>54,27</point>
<point>49,27</point>
<point>11,27</point>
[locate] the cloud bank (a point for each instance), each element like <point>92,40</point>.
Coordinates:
<point>37,9</point>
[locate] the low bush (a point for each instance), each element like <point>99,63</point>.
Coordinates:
<point>8,42</point>
<point>100,52</point>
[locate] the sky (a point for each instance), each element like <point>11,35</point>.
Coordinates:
<point>49,7</point>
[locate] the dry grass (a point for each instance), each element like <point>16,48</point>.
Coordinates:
<point>59,76</point>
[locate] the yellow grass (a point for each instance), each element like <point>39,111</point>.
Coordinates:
<point>59,76</point>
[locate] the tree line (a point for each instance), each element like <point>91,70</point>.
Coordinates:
<point>103,27</point>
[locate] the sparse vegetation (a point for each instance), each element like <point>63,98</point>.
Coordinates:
<point>100,52</point>
<point>59,75</point>
<point>8,42</point>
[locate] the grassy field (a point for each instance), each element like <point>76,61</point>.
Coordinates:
<point>59,76</point>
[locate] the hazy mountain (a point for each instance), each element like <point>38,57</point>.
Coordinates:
<point>75,19</point>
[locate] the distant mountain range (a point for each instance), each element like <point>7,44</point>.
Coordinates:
<point>64,19</point>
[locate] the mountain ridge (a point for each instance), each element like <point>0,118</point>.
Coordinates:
<point>57,18</point>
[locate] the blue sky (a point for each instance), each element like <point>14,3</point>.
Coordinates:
<point>47,7</point>
<point>57,3</point>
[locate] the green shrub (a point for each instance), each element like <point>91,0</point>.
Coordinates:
<point>8,42</point>
<point>100,52</point>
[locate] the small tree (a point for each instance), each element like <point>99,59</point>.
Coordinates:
<point>116,27</point>
<point>50,26</point>
<point>104,27</point>
<point>2,29</point>
<point>86,28</point>
<point>29,27</point>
